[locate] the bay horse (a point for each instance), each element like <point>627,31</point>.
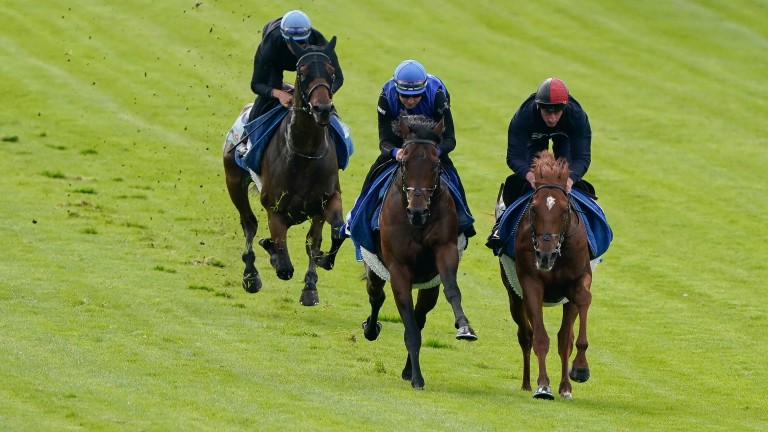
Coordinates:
<point>552,263</point>
<point>417,242</point>
<point>299,176</point>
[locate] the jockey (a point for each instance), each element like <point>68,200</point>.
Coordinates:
<point>550,113</point>
<point>274,55</point>
<point>411,91</point>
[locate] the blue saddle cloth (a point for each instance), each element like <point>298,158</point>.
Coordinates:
<point>261,129</point>
<point>364,217</point>
<point>599,233</point>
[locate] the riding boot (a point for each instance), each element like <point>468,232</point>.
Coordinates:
<point>494,240</point>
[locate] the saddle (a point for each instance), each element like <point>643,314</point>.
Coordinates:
<point>599,233</point>
<point>251,139</point>
<point>363,219</point>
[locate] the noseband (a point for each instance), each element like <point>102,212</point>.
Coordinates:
<point>548,236</point>
<point>412,191</point>
<point>313,58</point>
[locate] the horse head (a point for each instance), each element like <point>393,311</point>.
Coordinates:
<point>550,208</point>
<point>314,80</point>
<point>420,164</point>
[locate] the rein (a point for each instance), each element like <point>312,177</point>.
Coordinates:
<point>561,237</point>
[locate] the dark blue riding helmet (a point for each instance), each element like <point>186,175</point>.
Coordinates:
<point>410,78</point>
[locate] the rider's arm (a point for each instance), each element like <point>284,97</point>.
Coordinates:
<point>443,110</point>
<point>263,63</point>
<point>517,145</point>
<point>387,138</point>
<point>580,145</point>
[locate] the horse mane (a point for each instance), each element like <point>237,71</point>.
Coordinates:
<point>420,125</point>
<point>547,169</point>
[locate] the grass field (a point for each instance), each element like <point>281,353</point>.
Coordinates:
<point>120,299</point>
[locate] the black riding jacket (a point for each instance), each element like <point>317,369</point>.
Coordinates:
<point>528,134</point>
<point>273,57</point>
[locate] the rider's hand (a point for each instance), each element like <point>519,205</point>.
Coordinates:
<point>285,98</point>
<point>568,185</point>
<point>530,178</point>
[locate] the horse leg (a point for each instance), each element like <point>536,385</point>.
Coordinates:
<point>334,216</point>
<point>448,263</point>
<point>237,180</point>
<point>277,247</point>
<point>565,347</point>
<point>580,369</point>
<point>524,331</point>
<point>376,296</point>
<point>534,306</point>
<point>309,295</point>
<point>425,302</point>
<point>401,289</point>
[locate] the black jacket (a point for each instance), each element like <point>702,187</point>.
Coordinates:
<point>273,57</point>
<point>528,134</point>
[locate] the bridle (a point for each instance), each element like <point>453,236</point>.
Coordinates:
<point>307,59</point>
<point>561,236</point>
<point>412,191</point>
<point>310,58</point>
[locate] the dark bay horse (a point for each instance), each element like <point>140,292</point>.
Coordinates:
<point>417,242</point>
<point>300,179</point>
<point>552,263</point>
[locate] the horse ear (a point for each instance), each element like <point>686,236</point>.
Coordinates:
<point>439,127</point>
<point>331,46</point>
<point>298,51</point>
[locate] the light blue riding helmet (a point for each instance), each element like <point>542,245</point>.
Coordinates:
<point>410,77</point>
<point>295,25</point>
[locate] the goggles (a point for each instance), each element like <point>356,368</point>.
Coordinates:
<point>410,87</point>
<point>555,108</point>
<point>296,33</point>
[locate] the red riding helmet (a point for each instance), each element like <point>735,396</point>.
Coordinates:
<point>552,95</point>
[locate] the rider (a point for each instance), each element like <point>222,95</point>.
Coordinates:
<point>412,91</point>
<point>275,55</point>
<point>550,113</point>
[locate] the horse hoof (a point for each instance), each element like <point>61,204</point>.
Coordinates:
<point>309,298</point>
<point>466,333</point>
<point>252,282</point>
<point>373,334</point>
<point>325,261</point>
<point>285,274</point>
<point>267,245</point>
<point>566,395</point>
<point>579,375</point>
<point>417,386</point>
<point>545,393</point>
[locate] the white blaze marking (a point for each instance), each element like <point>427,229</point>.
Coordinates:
<point>550,202</point>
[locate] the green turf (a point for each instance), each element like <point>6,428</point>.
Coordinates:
<point>120,298</point>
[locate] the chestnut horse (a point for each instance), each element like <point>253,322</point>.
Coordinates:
<point>552,263</point>
<point>417,242</point>
<point>300,179</point>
